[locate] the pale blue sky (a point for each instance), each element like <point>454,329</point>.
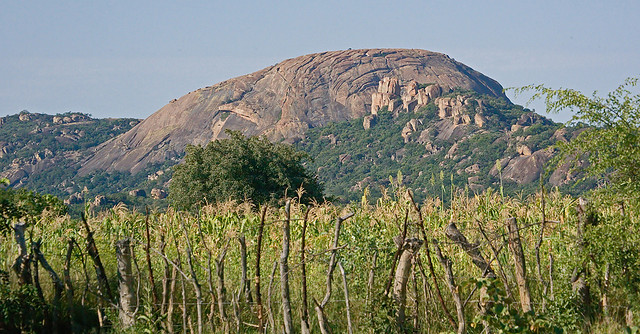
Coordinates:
<point>129,58</point>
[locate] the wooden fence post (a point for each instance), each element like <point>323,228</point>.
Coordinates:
<point>518,258</point>
<point>478,260</point>
<point>125,283</point>
<point>451,283</point>
<point>21,266</point>
<point>322,321</point>
<point>284,271</point>
<point>257,278</point>
<point>304,321</point>
<point>578,279</point>
<point>409,248</point>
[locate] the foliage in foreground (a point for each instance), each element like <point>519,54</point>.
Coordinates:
<point>203,248</point>
<point>25,205</point>
<point>611,145</point>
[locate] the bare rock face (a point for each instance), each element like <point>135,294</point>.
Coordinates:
<point>480,120</point>
<point>409,128</point>
<point>75,198</point>
<point>368,121</point>
<point>283,101</point>
<point>158,193</point>
<point>526,168</point>
<point>524,150</point>
<point>388,90</point>
<point>138,193</point>
<point>24,117</point>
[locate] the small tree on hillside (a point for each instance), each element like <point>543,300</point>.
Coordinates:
<point>241,168</point>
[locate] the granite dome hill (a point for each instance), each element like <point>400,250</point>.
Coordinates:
<point>284,101</point>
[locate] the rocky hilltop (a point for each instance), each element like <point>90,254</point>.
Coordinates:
<point>285,100</point>
<point>43,151</point>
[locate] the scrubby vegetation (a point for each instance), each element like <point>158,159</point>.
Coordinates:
<point>580,264</point>
<point>349,158</point>
<point>455,261</point>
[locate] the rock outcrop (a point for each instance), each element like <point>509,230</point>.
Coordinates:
<point>284,100</point>
<point>388,91</point>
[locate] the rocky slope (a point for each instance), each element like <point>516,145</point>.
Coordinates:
<point>285,100</point>
<point>43,152</point>
<point>434,136</point>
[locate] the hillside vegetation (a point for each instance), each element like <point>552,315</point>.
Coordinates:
<point>430,151</point>
<point>43,153</point>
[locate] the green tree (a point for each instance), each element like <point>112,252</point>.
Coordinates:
<point>241,168</point>
<point>610,141</point>
<point>26,205</point>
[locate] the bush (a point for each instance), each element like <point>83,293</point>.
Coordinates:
<point>240,168</point>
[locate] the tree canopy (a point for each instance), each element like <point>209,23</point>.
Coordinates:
<point>611,141</point>
<point>22,204</point>
<point>241,168</point>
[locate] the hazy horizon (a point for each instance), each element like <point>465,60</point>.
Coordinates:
<point>129,59</point>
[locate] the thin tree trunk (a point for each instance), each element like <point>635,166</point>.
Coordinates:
<point>209,277</point>
<point>166,278</point>
<point>147,250</point>
<point>194,280</point>
<point>272,321</point>
<point>236,309</point>
<point>423,232</point>
<point>185,315</point>
<point>284,271</point>
<point>92,249</point>
<point>245,286</point>
<point>125,283</point>
<point>172,289</point>
<point>304,323</point>
<point>257,278</point>
<point>68,284</point>
<point>346,298</point>
<point>520,267</point>
<point>446,264</point>
<point>178,267</point>
<point>545,285</point>
<point>409,248</point>
<point>221,291</point>
<point>399,240</point>
<point>322,321</point>
<point>21,266</point>
<point>372,273</point>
